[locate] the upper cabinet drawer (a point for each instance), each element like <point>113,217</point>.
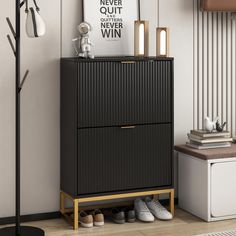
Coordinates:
<point>116,93</point>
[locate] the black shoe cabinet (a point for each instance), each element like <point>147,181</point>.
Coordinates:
<point>116,125</point>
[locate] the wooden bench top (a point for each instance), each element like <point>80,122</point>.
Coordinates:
<point>209,154</point>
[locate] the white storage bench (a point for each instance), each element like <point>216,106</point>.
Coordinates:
<point>207,182</point>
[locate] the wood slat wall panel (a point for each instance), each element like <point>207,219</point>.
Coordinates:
<point>214,67</point>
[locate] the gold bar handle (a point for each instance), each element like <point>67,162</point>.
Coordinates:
<point>127,62</point>
<point>128,127</point>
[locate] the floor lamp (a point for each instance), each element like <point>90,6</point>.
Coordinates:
<point>18,230</point>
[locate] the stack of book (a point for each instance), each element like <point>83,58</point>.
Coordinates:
<point>201,139</point>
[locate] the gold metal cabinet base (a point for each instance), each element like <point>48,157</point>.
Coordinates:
<point>74,221</point>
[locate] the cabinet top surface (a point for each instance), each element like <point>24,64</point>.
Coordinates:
<point>208,154</point>
<point>118,59</point>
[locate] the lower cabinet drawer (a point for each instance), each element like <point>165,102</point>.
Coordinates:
<point>118,159</point>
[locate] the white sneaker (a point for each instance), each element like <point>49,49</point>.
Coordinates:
<point>157,209</point>
<point>142,211</point>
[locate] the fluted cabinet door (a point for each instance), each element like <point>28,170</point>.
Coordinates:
<point>115,159</point>
<point>114,93</point>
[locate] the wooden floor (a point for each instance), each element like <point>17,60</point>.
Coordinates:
<point>184,224</point>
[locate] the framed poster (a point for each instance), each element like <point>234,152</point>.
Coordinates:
<point>112,24</point>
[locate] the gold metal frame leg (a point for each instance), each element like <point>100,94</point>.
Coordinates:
<point>75,222</point>
<point>172,202</point>
<point>76,213</point>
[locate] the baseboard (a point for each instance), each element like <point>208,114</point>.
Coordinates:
<point>52,215</point>
<point>33,217</point>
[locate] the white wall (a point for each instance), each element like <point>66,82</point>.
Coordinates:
<point>40,115</point>
<point>40,97</point>
<point>71,16</point>
<point>178,16</point>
